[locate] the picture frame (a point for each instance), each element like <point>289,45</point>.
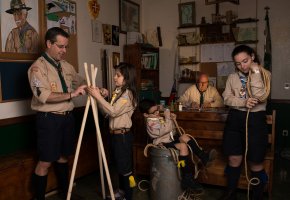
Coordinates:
<point>107,34</point>
<point>186,14</point>
<point>116,58</point>
<point>15,50</point>
<point>97,31</point>
<point>129,16</point>
<point>115,35</point>
<point>209,2</point>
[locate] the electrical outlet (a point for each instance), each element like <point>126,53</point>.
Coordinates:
<point>285,133</point>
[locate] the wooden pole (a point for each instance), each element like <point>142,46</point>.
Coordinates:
<point>94,72</point>
<point>99,137</point>
<point>78,149</point>
<point>91,101</point>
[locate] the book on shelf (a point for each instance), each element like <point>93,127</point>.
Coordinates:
<point>149,60</point>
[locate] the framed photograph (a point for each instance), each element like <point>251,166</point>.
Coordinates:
<point>129,16</point>
<point>115,35</point>
<point>208,2</point>
<point>107,34</point>
<point>186,14</point>
<point>25,44</point>
<point>116,58</point>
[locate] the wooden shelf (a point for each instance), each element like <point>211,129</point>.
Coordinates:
<point>247,42</point>
<point>187,81</point>
<point>189,45</point>
<point>189,63</point>
<point>144,69</point>
<point>184,27</point>
<point>246,20</point>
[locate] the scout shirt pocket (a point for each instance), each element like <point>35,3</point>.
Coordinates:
<point>69,80</point>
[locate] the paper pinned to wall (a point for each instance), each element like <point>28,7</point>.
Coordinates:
<point>217,52</point>
<point>225,68</point>
<point>227,50</point>
<point>212,81</point>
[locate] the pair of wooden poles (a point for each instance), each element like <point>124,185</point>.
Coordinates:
<point>101,153</point>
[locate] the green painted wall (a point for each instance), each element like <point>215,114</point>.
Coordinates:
<point>17,137</point>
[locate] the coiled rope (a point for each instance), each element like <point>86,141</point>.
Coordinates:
<point>267,84</point>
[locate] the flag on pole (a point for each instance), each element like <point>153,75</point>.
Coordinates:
<point>172,93</point>
<point>267,44</point>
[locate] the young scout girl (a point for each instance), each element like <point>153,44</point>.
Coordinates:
<point>119,111</point>
<point>236,95</point>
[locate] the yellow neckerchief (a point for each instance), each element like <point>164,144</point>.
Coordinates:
<point>114,95</point>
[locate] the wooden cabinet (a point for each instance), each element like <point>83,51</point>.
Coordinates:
<point>146,60</point>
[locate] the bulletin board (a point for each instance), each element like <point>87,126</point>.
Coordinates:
<point>14,84</point>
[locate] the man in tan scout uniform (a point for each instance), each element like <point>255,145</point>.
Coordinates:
<point>201,95</point>
<point>54,83</point>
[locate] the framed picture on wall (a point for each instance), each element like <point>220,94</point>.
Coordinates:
<point>186,14</point>
<point>129,16</point>
<point>208,2</point>
<point>21,29</point>
<point>116,58</point>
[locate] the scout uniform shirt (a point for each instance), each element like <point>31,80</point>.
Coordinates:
<point>192,94</point>
<point>120,111</point>
<point>160,130</point>
<point>234,92</point>
<point>44,79</point>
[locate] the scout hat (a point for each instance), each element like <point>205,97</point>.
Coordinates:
<point>16,5</point>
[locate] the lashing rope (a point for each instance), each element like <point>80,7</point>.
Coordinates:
<point>267,83</point>
<point>187,194</point>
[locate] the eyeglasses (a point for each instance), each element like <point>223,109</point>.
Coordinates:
<point>156,111</point>
<point>61,46</point>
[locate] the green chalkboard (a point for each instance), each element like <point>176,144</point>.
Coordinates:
<point>14,81</point>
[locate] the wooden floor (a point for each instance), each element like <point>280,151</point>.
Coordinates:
<point>87,186</point>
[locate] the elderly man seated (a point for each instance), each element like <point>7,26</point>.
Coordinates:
<point>201,95</point>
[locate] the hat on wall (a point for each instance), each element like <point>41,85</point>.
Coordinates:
<point>16,5</point>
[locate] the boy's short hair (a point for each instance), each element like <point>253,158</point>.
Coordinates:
<point>145,105</point>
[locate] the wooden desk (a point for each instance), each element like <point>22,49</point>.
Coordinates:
<point>203,125</point>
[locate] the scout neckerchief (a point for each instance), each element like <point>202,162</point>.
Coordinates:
<point>244,79</point>
<point>117,94</point>
<point>59,70</point>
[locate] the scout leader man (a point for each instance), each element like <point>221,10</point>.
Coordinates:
<point>201,95</point>
<point>54,83</point>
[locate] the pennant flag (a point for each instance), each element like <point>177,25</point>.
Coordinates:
<point>267,45</point>
<point>172,93</point>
